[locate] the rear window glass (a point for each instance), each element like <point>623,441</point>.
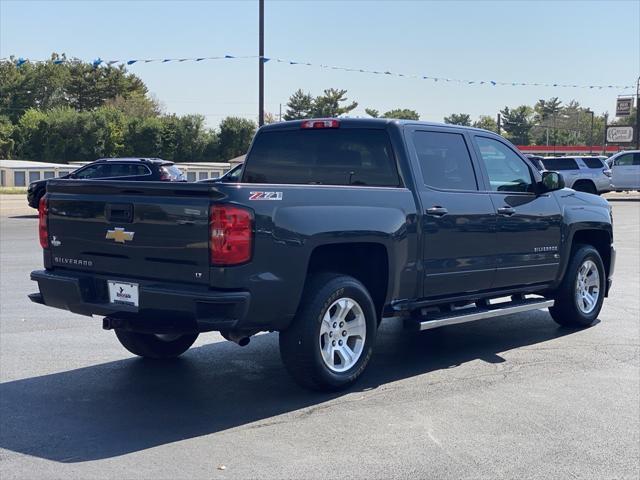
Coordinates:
<point>560,164</point>
<point>593,162</point>
<point>342,156</point>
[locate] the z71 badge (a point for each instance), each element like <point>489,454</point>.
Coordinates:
<point>265,195</point>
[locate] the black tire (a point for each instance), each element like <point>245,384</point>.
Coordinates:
<point>566,310</point>
<point>586,186</point>
<point>300,344</point>
<point>154,346</point>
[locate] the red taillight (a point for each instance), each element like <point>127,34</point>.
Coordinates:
<point>43,230</point>
<point>230,235</point>
<point>330,123</point>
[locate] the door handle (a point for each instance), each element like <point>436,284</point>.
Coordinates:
<point>437,211</point>
<point>506,211</point>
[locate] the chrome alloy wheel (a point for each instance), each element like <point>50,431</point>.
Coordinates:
<point>342,334</point>
<point>587,287</point>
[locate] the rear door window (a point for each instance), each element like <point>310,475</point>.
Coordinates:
<point>628,159</point>
<point>93,171</point>
<point>340,156</point>
<point>560,164</point>
<point>127,170</point>
<point>592,162</point>
<point>445,160</point>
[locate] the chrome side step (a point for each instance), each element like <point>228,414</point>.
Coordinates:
<point>465,315</point>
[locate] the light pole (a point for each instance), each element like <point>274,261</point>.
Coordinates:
<point>261,63</point>
<point>590,112</point>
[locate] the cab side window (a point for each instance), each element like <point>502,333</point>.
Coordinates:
<point>627,160</point>
<point>92,171</point>
<point>507,172</point>
<point>445,160</point>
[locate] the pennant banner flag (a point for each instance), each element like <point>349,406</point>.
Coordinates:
<point>129,62</point>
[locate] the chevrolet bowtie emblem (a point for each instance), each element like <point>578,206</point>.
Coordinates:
<point>119,235</point>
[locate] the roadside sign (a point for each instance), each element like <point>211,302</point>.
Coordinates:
<point>620,134</point>
<point>624,106</point>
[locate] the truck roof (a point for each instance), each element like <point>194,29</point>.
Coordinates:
<point>364,123</point>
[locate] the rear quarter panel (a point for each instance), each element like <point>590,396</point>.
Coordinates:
<point>288,230</point>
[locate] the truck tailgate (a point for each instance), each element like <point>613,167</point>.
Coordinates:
<point>152,230</point>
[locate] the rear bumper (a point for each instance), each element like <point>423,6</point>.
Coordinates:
<point>162,306</point>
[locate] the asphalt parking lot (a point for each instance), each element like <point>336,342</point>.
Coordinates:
<point>513,397</point>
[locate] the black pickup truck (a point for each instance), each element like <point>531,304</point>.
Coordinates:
<point>335,224</point>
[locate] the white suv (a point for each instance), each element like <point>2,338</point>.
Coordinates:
<point>626,170</point>
<point>586,174</point>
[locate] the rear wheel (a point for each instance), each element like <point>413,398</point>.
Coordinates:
<point>155,345</point>
<point>579,298</point>
<point>330,341</point>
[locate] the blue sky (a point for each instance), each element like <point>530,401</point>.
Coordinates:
<point>588,42</point>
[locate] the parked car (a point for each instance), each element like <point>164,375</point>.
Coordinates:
<point>625,170</point>
<point>232,176</point>
<point>585,174</point>
<point>536,160</point>
<point>132,169</point>
<point>336,224</point>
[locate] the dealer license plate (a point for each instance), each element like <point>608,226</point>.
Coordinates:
<point>123,293</point>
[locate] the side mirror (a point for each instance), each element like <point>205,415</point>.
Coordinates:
<point>551,181</point>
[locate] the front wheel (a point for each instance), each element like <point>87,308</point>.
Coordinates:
<point>579,298</point>
<point>331,339</point>
<point>155,345</point>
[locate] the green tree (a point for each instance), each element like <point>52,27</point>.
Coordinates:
<point>463,119</point>
<point>332,104</point>
<point>73,83</point>
<point>545,109</point>
<point>234,137</point>
<point>135,105</point>
<point>299,106</point>
<point>517,124</point>
<point>399,113</point>
<point>30,134</point>
<point>486,123</point>
<point>143,137</point>
<point>7,143</point>
<point>402,114</point>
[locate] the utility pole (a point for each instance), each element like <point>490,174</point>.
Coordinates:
<point>604,138</point>
<point>499,122</point>
<point>589,111</point>
<point>261,64</point>
<point>280,114</point>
